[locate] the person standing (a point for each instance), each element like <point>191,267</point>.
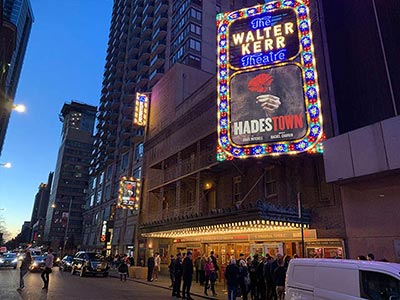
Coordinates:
<point>157,265</point>
<point>279,279</point>
<point>171,271</point>
<point>187,267</point>
<point>123,269</point>
<point>203,262</point>
<point>210,277</point>
<point>178,276</point>
<point>197,265</point>
<point>24,269</point>
<point>47,270</point>
<point>150,268</point>
<point>232,279</point>
<point>244,278</point>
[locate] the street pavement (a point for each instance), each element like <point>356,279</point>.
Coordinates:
<point>64,286</point>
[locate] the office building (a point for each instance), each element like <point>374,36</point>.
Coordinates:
<point>63,229</point>
<point>16,20</point>
<point>39,211</point>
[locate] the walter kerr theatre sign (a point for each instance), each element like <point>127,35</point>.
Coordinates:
<point>268,96</point>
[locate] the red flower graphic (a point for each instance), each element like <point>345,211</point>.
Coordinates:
<point>260,83</point>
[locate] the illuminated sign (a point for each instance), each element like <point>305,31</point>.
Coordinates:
<point>129,191</point>
<point>268,95</point>
<point>103,236</point>
<point>141,106</point>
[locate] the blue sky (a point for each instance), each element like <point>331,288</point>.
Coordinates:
<point>64,61</point>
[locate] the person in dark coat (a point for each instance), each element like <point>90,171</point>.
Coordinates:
<point>279,279</point>
<point>123,269</point>
<point>232,279</point>
<point>178,276</point>
<point>171,270</point>
<point>187,267</point>
<point>150,268</point>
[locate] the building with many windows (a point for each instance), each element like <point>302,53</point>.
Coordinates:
<point>147,38</point>
<point>39,211</point>
<point>63,228</point>
<point>16,20</point>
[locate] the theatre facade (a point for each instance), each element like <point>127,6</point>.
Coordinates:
<point>193,201</point>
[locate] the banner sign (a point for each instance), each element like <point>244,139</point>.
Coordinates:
<point>129,191</point>
<point>268,95</point>
<point>141,106</point>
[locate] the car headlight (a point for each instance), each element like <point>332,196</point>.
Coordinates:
<point>35,264</point>
<point>58,259</point>
<point>15,261</point>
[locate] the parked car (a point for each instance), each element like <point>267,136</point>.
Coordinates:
<point>8,260</point>
<point>65,263</point>
<point>339,279</point>
<point>89,263</point>
<point>38,263</point>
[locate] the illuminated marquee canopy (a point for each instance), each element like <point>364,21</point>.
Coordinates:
<point>268,95</point>
<point>129,192</point>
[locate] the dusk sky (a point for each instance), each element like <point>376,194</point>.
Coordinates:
<point>64,61</point>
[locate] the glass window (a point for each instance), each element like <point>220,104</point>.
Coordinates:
<point>98,200</point>
<point>91,200</point>
<point>137,173</point>
<point>378,286</point>
<point>237,188</point>
<point>139,151</point>
<point>270,182</point>
<point>124,161</point>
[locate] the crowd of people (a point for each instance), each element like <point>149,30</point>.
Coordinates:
<point>255,278</point>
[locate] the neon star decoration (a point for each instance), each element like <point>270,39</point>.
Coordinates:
<point>305,59</point>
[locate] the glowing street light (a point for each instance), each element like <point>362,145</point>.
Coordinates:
<point>19,108</point>
<point>6,165</point>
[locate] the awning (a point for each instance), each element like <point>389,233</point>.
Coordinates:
<point>249,219</point>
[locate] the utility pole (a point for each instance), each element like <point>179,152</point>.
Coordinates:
<point>301,223</point>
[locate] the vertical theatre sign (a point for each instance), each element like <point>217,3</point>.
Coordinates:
<point>141,105</point>
<point>129,191</point>
<point>268,96</point>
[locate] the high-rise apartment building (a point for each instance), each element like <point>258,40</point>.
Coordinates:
<point>16,20</point>
<point>39,211</point>
<point>147,38</point>
<point>63,229</point>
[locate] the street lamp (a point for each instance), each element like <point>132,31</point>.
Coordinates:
<point>19,108</point>
<point>6,165</point>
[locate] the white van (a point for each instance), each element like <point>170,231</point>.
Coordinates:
<point>339,279</point>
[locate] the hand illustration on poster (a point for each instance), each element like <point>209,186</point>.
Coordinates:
<point>267,105</point>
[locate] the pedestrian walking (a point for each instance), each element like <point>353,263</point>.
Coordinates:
<point>150,268</point>
<point>47,270</point>
<point>232,279</point>
<point>203,262</point>
<point>123,269</point>
<point>24,269</point>
<point>187,268</point>
<point>178,276</point>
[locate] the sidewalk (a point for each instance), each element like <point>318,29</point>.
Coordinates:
<point>195,291</point>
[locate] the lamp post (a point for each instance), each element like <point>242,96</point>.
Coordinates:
<point>19,108</point>
<point>67,226</point>
<point>53,205</point>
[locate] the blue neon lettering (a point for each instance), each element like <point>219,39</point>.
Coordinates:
<point>261,22</point>
<point>263,58</point>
